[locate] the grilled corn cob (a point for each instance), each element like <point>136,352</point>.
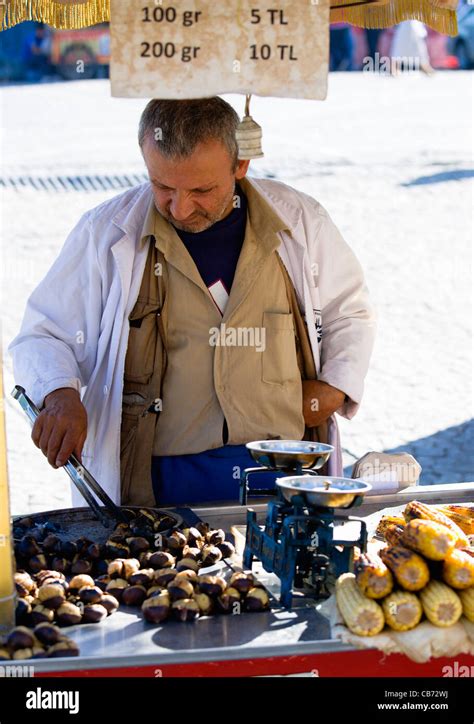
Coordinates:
<point>433,540</point>
<point>389,520</point>
<point>458,569</point>
<point>410,570</point>
<point>461,515</point>
<point>362,615</point>
<point>442,606</point>
<point>393,534</point>
<point>416,509</point>
<point>467,600</point>
<point>373,577</point>
<point>402,610</point>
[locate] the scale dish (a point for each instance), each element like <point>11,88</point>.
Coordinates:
<point>323,492</point>
<point>289,454</point>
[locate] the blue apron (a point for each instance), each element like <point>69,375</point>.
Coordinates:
<point>205,477</point>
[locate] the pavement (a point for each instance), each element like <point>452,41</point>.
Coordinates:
<point>389,158</point>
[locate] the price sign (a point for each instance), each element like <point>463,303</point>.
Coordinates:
<point>194,48</point>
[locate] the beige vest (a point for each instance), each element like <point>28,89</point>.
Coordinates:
<point>241,366</point>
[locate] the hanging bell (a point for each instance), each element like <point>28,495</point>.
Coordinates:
<point>249,135</point>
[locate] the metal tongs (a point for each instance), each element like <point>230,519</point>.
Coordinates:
<point>80,476</point>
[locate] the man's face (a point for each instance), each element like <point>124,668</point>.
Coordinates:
<point>193,193</point>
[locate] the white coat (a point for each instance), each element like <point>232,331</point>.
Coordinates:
<point>75,328</point>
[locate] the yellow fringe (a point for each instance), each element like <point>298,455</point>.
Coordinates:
<point>71,16</point>
<point>441,19</point>
<point>57,15</point>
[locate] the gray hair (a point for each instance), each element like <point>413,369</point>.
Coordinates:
<point>178,126</point>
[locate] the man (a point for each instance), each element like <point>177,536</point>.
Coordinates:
<point>171,304</point>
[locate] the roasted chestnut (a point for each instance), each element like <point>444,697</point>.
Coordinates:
<point>257,600</point>
<point>130,566</point>
<point>156,608</point>
<point>21,654</point>
<point>176,542</point>
<point>115,568</point>
<point>210,555</point>
<point>68,614</point>
<point>52,544</point>
<point>114,549</point>
<point>161,559</point>
<point>189,552</point>
<point>37,563</point>
<point>187,564</point>
<point>38,652</point>
<point>137,545</point>
<point>214,537</point>
<point>65,647</point>
<point>80,581</point>
<point>28,547</point>
<point>103,581</point>
<point>226,548</point>
<point>68,550</point>
<point>51,595</point>
<point>134,595</point>
<point>154,591</point>
<point>94,613</point>
<point>22,612</point>
<point>90,594</point>
<point>109,602</point>
<point>193,536</point>
<point>185,609</point>
<point>116,587</point>
<point>163,576</point>
<point>47,634</point>
<point>226,601</point>
<point>60,565</point>
<point>189,574</point>
<point>203,527</point>
<point>204,602</point>
<point>24,584</point>
<point>101,566</point>
<point>20,638</point>
<point>212,585</point>
<point>243,582</point>
<point>4,655</point>
<point>143,577</point>
<point>180,588</point>
<point>42,613</point>
<point>42,576</point>
<point>81,566</point>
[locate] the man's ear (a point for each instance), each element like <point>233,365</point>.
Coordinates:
<point>242,168</point>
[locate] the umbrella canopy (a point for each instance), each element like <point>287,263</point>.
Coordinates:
<point>438,14</point>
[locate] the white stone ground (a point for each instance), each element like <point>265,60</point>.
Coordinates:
<point>391,160</point>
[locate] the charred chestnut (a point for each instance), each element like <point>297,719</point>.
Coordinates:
<point>193,537</point>
<point>60,565</point>
<point>68,550</point>
<point>22,612</point>
<point>189,552</point>
<point>161,559</point>
<point>28,547</point>
<point>257,600</point>
<point>101,566</point>
<point>227,601</point>
<point>90,594</point>
<point>156,608</point>
<point>24,584</point>
<point>103,581</point>
<point>176,542</point>
<point>185,609</point>
<point>94,613</point>
<point>52,544</point>
<point>212,585</point>
<point>68,614</point>
<point>180,588</point>
<point>115,549</point>
<point>189,574</point>
<point>47,634</point>
<point>134,595</point>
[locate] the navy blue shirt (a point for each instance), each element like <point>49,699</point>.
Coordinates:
<point>216,250</point>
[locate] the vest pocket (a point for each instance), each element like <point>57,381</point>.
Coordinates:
<point>141,350</point>
<point>279,360</point>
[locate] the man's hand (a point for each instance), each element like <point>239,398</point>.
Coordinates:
<point>61,427</point>
<point>320,400</point>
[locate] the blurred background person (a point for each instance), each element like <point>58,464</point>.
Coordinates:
<point>409,49</point>
<point>340,47</point>
<point>36,53</point>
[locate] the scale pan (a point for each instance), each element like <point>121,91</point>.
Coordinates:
<point>322,491</point>
<point>289,454</point>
